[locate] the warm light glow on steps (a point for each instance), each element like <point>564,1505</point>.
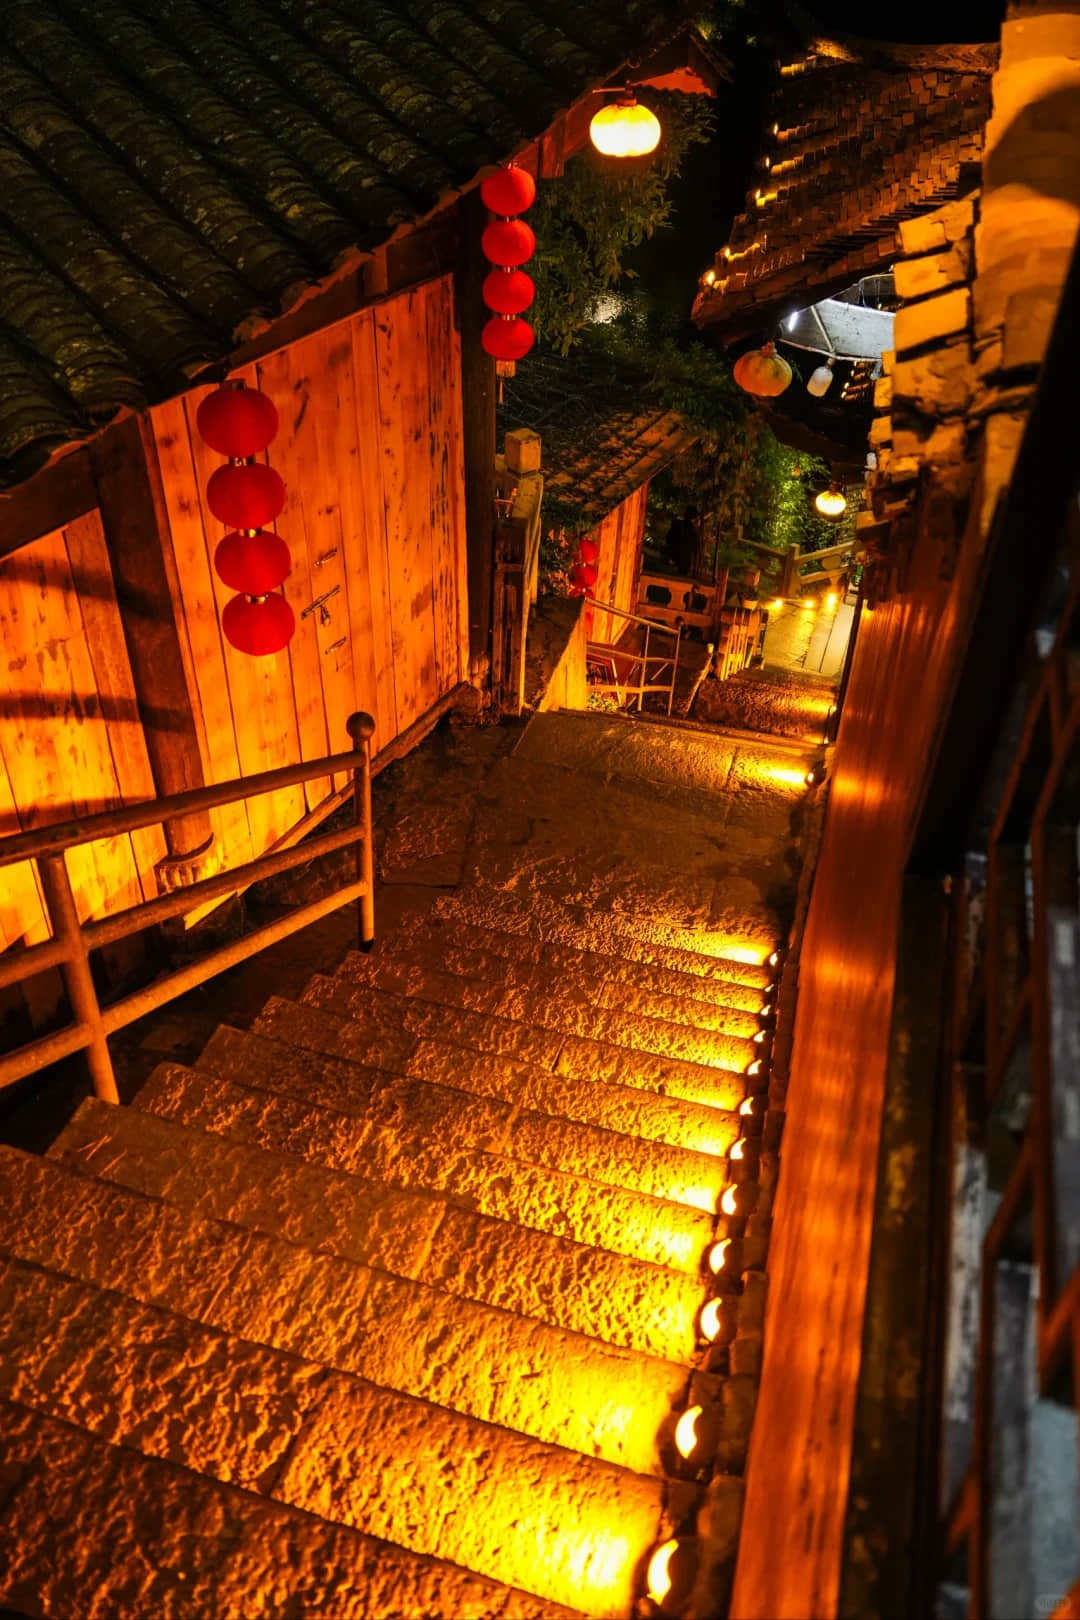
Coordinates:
<point>658,1580</point>
<point>686,1432</point>
<point>711,1320</point>
<point>718,1254</point>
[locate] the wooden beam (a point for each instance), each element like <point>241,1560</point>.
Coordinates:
<point>418,255</point>
<point>478,422</point>
<point>133,514</point>
<point>55,496</point>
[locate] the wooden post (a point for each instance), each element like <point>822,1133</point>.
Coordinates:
<point>478,423</point>
<point>75,969</point>
<point>361,729</point>
<point>133,514</point>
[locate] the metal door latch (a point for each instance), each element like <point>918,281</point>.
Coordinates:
<point>319,602</point>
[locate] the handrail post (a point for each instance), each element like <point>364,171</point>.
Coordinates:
<point>674,669</point>
<point>644,671</point>
<point>75,969</point>
<point>361,729</point>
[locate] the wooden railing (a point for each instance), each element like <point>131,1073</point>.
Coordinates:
<point>610,652</point>
<point>72,941</point>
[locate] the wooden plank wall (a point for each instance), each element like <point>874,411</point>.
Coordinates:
<point>370,449</point>
<point>621,537</point>
<point>70,738</point>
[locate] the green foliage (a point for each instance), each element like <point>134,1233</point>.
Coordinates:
<point>748,486</point>
<point>587,219</point>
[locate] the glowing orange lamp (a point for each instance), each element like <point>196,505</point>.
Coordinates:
<point>625,129</point>
<point>832,501</point>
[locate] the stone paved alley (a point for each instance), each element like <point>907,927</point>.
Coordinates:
<point>415,1285</point>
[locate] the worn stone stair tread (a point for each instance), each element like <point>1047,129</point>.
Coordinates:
<point>626,1302</point>
<point>422,959</point>
<point>528,1025</point>
<point>89,1528</point>
<point>375,1037</point>
<point>561,1387</point>
<point>403,1335</point>
<point>354,1453</point>
<point>329,1141</point>
<point>461,1123</point>
<point>451,938</point>
<point>687,757</point>
<point>626,936</point>
<point>472,1092</point>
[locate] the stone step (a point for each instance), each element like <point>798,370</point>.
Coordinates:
<point>88,1528</point>
<point>412,963</point>
<point>443,1082</point>
<point>628,936</point>
<point>627,985</point>
<point>562,1385</point>
<point>349,1451</point>
<point>517,1021</point>
<point>408,1123</point>
<point>376,1039</point>
<point>436,1238</point>
<point>57,1332</point>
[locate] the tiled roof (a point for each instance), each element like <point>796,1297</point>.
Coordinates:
<point>860,136</point>
<point>174,173</point>
<point>602,438</point>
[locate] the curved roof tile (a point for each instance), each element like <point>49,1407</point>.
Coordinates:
<point>172,171</point>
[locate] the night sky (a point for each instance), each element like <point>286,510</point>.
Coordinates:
<point>917,22</point>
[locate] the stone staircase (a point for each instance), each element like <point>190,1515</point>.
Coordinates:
<point>390,1305</point>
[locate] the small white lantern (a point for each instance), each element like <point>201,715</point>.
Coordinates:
<point>820,380</point>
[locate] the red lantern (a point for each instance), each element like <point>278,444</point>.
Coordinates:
<point>508,292</point>
<point>585,575</point>
<point>258,625</point>
<point>507,339</point>
<point>510,191</point>
<point>245,497</point>
<point>508,242</point>
<point>237,422</point>
<point>588,551</point>
<point>255,563</point>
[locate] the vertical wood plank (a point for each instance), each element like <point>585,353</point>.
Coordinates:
<point>367,544</point>
<point>402,409</point>
<point>22,906</point>
<point>442,405</point>
<point>55,748</point>
<point>122,733</point>
<point>291,378</point>
<point>217,736</point>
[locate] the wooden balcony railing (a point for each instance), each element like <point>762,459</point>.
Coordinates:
<point>617,658</point>
<point>72,941</point>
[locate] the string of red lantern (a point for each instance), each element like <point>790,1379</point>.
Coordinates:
<point>507,290</point>
<point>245,494</point>
<point>584,575</point>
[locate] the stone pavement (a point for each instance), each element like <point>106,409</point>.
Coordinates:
<point>439,1288</point>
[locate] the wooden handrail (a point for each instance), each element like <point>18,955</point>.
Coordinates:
<point>72,941</point>
<point>129,818</point>
<point>635,618</point>
<point>644,658</point>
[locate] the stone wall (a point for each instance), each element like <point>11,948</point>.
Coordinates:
<point>981,279</point>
